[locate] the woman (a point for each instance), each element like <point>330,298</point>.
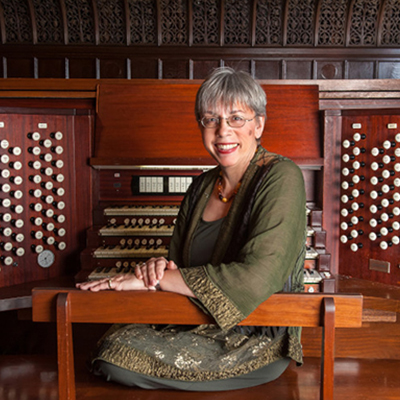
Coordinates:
<point>239,238</point>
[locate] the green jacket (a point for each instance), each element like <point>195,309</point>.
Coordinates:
<point>260,251</point>
<point>261,246</point>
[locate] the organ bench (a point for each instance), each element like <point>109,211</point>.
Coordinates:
<point>74,306</point>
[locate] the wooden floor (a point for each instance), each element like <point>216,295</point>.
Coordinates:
<point>35,377</point>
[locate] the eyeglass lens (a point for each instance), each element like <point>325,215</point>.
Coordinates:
<point>233,121</point>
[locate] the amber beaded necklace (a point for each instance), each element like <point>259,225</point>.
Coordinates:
<point>219,187</point>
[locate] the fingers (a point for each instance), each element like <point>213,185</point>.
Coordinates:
<point>138,271</point>
<point>152,271</point>
<point>95,286</point>
<point>118,282</point>
<point>144,268</point>
<point>146,276</point>
<point>121,282</point>
<point>171,265</point>
<point>161,264</point>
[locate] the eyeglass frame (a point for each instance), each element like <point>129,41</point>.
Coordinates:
<point>227,121</point>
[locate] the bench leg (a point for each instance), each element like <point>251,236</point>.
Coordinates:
<point>66,373</point>
<point>328,349</point>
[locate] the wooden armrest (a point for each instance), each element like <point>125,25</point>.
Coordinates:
<point>283,309</point>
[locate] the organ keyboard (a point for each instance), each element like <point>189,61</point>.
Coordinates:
<point>156,228</point>
<point>134,233</point>
<point>140,210</point>
<point>134,252</point>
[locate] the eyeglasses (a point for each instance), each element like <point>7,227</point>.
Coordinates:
<point>234,121</point>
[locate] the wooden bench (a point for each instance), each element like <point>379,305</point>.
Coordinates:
<point>65,306</point>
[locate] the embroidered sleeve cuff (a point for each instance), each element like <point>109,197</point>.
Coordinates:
<point>224,312</point>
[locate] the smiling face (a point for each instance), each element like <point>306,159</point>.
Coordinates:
<point>232,147</point>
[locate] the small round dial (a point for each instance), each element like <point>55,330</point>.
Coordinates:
<point>46,258</point>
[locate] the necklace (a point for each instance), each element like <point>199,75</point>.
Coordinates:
<point>219,187</point>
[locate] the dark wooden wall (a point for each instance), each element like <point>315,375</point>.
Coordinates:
<point>185,39</point>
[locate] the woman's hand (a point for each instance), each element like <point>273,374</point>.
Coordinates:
<point>152,271</point>
<point>118,282</point>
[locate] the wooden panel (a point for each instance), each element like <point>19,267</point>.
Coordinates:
<point>175,69</point>
<point>83,191</point>
<point>388,70</point>
<point>360,70</point>
<point>113,68</point>
<point>131,123</point>
<point>144,68</point>
<point>20,68</point>
<point>299,69</point>
<point>202,68</point>
<point>52,68</point>
<point>165,307</point>
<point>268,69</point>
<point>82,68</point>
<point>239,65</point>
<point>46,106</point>
<point>312,181</point>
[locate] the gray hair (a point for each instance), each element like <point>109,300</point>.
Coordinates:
<point>227,87</point>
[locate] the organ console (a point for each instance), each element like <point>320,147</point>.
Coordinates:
<point>93,197</point>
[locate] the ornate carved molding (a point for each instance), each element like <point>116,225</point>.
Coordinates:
<point>173,22</point>
<point>143,22</point>
<point>300,22</point>
<point>80,21</point>
<point>206,22</point>
<point>17,21</point>
<point>48,22</point>
<point>364,23</point>
<point>251,23</point>
<point>389,32</point>
<point>331,29</point>
<point>237,19</point>
<point>269,23</point>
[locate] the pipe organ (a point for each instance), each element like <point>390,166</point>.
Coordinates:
<point>93,197</point>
